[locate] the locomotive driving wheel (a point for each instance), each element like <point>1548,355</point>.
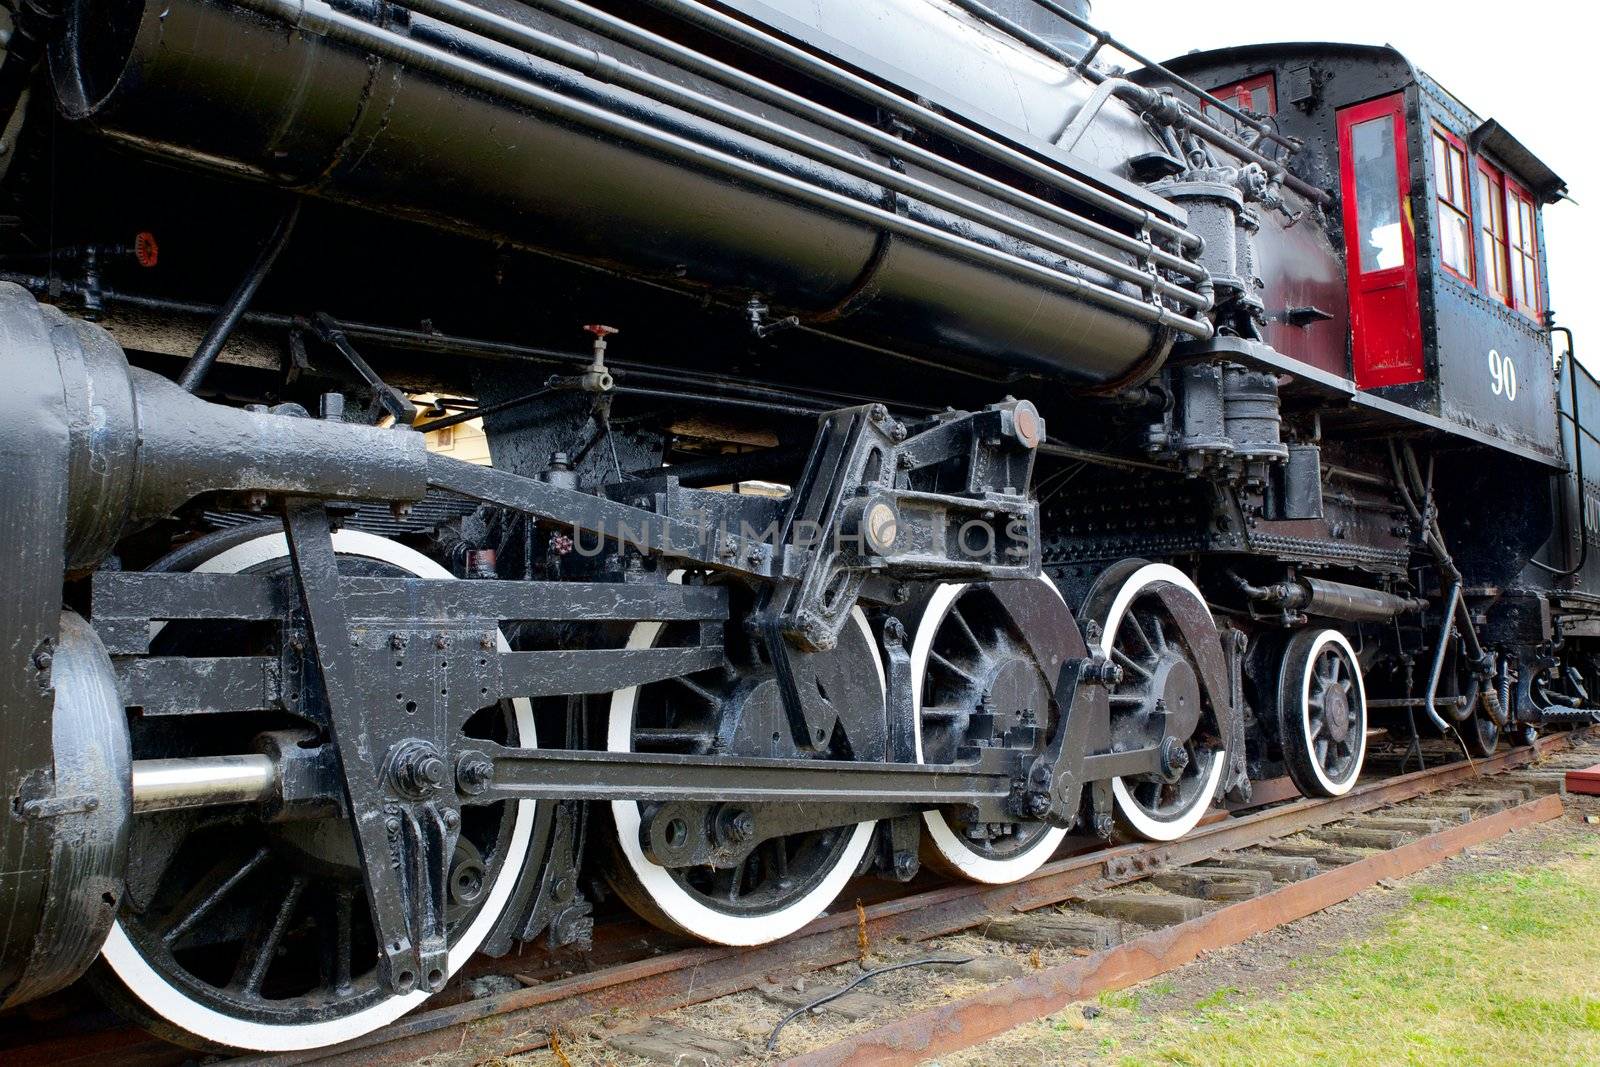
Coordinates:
<point>1154,624</point>
<point>986,658</point>
<point>242,933</point>
<point>785,881</point>
<point>1322,713</point>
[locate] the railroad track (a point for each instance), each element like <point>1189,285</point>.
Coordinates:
<point>1277,863</point>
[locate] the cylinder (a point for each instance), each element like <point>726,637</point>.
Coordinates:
<point>566,162</point>
<point>138,447</point>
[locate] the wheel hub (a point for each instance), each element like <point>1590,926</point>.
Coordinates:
<point>1336,712</point>
<point>1015,695</point>
<point>1177,690</point>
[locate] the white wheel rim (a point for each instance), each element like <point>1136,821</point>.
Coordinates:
<point>677,903</point>
<point>945,841</point>
<point>1323,639</point>
<point>172,1004</point>
<point>1138,820</point>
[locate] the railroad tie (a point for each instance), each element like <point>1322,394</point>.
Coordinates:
<point>1146,909</point>
<point>1406,824</point>
<point>1325,855</point>
<point>1446,813</point>
<point>1281,868</point>
<point>1482,803</point>
<point>1359,837</point>
<point>662,1042</point>
<point>1056,929</point>
<point>851,1006</point>
<point>1542,782</point>
<point>1214,883</point>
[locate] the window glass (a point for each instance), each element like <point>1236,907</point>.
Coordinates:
<point>1257,94</point>
<point>1377,183</point>
<point>1523,251</point>
<point>1455,217</point>
<point>1492,218</point>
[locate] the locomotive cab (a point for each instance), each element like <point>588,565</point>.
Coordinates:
<point>1437,220</point>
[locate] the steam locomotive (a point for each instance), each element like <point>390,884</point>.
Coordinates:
<point>922,432</point>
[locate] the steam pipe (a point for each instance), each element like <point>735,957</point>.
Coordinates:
<point>1440,647</point>
<point>1332,600</point>
<point>319,18</point>
<point>669,51</point>
<point>1171,112</point>
<point>593,64</point>
<point>771,47</point>
<point>1103,38</point>
<point>229,314</point>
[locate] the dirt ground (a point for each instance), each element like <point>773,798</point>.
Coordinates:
<point>1114,1027</point>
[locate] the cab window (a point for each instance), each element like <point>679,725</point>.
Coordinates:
<point>1454,203</point>
<point>1257,94</point>
<point>1492,219</point>
<point>1509,221</point>
<point>1380,240</point>
<point>1523,237</point>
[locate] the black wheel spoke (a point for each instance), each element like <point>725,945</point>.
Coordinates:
<point>964,628</point>
<point>1129,663</point>
<point>344,936</point>
<point>209,894</point>
<point>258,958</point>
<point>1138,631</point>
<point>951,668</point>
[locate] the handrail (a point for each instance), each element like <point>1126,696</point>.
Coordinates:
<point>1167,108</point>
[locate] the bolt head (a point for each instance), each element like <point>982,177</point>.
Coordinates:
<point>431,771</point>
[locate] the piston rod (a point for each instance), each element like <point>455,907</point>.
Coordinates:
<point>170,784</point>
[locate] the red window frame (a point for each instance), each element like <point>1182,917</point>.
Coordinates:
<point>1492,223</point>
<point>1453,198</point>
<point>1511,237</point>
<point>1522,232</point>
<point>1241,95</point>
<point>1385,314</point>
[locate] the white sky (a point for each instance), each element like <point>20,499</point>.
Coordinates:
<point>1528,63</point>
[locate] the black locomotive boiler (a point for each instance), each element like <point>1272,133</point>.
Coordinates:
<point>922,431</point>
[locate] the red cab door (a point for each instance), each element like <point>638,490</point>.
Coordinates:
<point>1375,176</point>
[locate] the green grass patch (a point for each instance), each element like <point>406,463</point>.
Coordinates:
<point>1120,998</point>
<point>1483,970</point>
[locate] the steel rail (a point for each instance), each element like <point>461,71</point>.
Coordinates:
<point>518,1021</point>
<point>321,18</point>
<point>971,1020</point>
<point>495,27</point>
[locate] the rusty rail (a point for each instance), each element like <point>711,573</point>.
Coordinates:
<point>520,1020</point>
<point>971,1020</point>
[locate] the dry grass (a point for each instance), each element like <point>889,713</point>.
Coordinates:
<point>1490,969</point>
